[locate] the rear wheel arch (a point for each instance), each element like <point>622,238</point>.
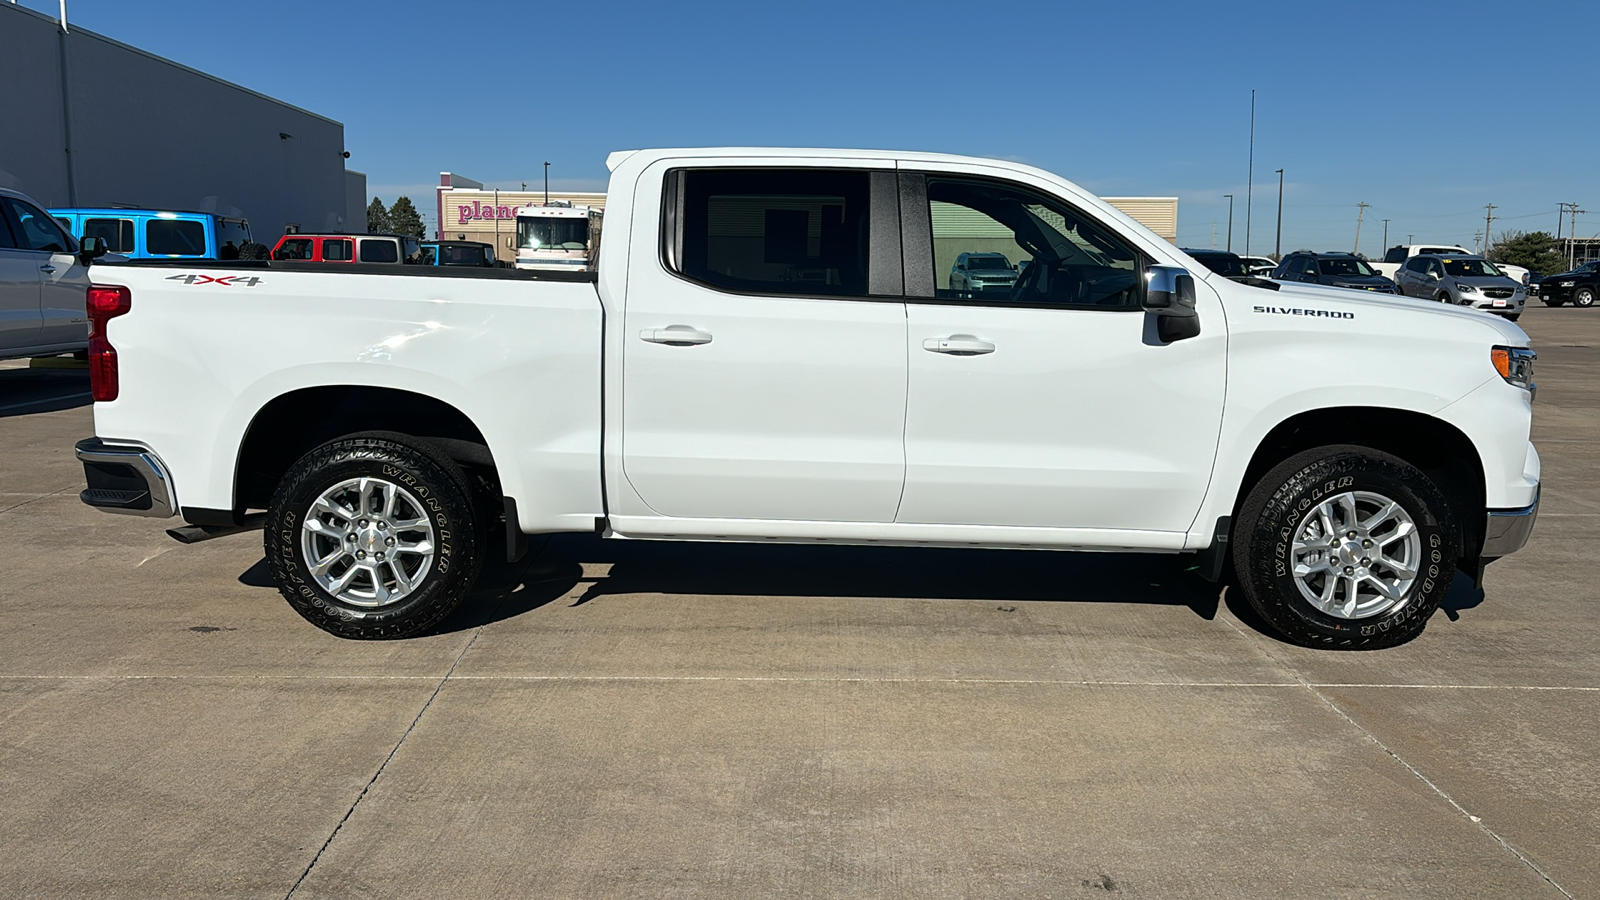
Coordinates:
<point>1439,449</point>
<point>294,423</point>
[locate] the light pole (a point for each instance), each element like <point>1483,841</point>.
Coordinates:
<point>547,184</point>
<point>1277,247</point>
<point>1249,187</point>
<point>1230,221</point>
<point>1386,234</point>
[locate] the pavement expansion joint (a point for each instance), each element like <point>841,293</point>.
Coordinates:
<point>1377,742</point>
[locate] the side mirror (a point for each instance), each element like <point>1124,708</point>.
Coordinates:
<point>1169,295</point>
<point>91,249</point>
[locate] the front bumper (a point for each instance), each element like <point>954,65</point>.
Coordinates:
<point>1507,530</point>
<point>125,479</point>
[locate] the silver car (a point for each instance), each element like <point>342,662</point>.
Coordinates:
<point>981,272</point>
<point>1463,280</point>
<point>44,280</point>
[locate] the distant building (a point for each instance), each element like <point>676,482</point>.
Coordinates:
<point>89,121</point>
<point>1581,250</point>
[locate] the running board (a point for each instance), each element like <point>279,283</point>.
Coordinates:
<point>194,534</point>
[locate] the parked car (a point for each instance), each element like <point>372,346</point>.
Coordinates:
<point>982,273</point>
<point>1344,270</point>
<point>457,253</point>
<point>1260,266</point>
<point>158,234</point>
<point>1580,287</point>
<point>1464,281</point>
<point>44,276</point>
<point>348,248</point>
<point>1228,265</point>
<point>1346,452</point>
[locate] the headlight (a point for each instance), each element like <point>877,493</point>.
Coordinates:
<point>1515,365</point>
<point>1466,288</point>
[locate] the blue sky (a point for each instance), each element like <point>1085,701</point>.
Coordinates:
<point>1426,111</point>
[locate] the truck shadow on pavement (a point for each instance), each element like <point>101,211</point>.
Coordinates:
<point>580,569</point>
<point>28,391</point>
<point>594,569</point>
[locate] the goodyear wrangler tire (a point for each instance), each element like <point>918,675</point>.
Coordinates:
<point>372,536</point>
<point>1345,547</point>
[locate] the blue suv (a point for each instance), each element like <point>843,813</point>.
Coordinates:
<point>156,234</point>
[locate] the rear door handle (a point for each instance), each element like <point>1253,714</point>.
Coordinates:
<point>675,334</point>
<point>958,345</point>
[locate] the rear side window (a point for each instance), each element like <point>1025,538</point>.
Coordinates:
<point>337,250</point>
<point>380,251</point>
<point>117,233</point>
<point>778,231</point>
<point>235,230</point>
<point>296,248</point>
<point>174,237</point>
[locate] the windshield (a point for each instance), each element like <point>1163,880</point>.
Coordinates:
<point>1471,268</point>
<point>987,262</point>
<point>1346,265</point>
<point>552,233</point>
<point>1230,266</point>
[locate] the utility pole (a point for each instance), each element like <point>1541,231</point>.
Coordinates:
<point>1213,234</point>
<point>1488,219</point>
<point>1230,221</point>
<point>1572,235</point>
<point>1249,186</point>
<point>1386,234</point>
<point>1277,246</point>
<point>1361,210</point>
<point>547,183</point>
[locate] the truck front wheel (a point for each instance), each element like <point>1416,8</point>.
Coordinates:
<point>1345,547</point>
<point>371,536</point>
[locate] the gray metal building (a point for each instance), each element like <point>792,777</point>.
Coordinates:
<point>88,121</point>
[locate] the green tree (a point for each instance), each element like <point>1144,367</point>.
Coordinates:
<point>377,217</point>
<point>404,218</point>
<point>1536,250</point>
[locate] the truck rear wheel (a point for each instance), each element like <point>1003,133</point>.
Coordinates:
<point>372,536</point>
<point>1345,547</point>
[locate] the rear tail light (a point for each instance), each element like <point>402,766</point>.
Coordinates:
<point>104,303</point>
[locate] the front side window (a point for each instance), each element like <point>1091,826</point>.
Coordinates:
<point>776,231</point>
<point>337,250</point>
<point>117,233</point>
<point>379,251</point>
<point>37,230</point>
<point>1042,250</point>
<point>294,248</point>
<point>174,237</point>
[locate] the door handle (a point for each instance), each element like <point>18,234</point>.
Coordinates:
<point>47,269</point>
<point>675,334</point>
<point>958,345</point>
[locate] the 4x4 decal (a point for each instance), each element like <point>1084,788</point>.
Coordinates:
<point>224,280</point>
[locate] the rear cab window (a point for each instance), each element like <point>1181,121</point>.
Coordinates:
<point>337,250</point>
<point>378,250</point>
<point>775,231</point>
<point>117,233</point>
<point>174,237</point>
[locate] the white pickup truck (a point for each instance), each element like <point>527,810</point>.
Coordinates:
<point>767,353</point>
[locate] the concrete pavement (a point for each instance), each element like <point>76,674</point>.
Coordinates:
<point>613,719</point>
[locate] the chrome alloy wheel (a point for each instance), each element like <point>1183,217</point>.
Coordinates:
<point>1356,555</point>
<point>368,542</point>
